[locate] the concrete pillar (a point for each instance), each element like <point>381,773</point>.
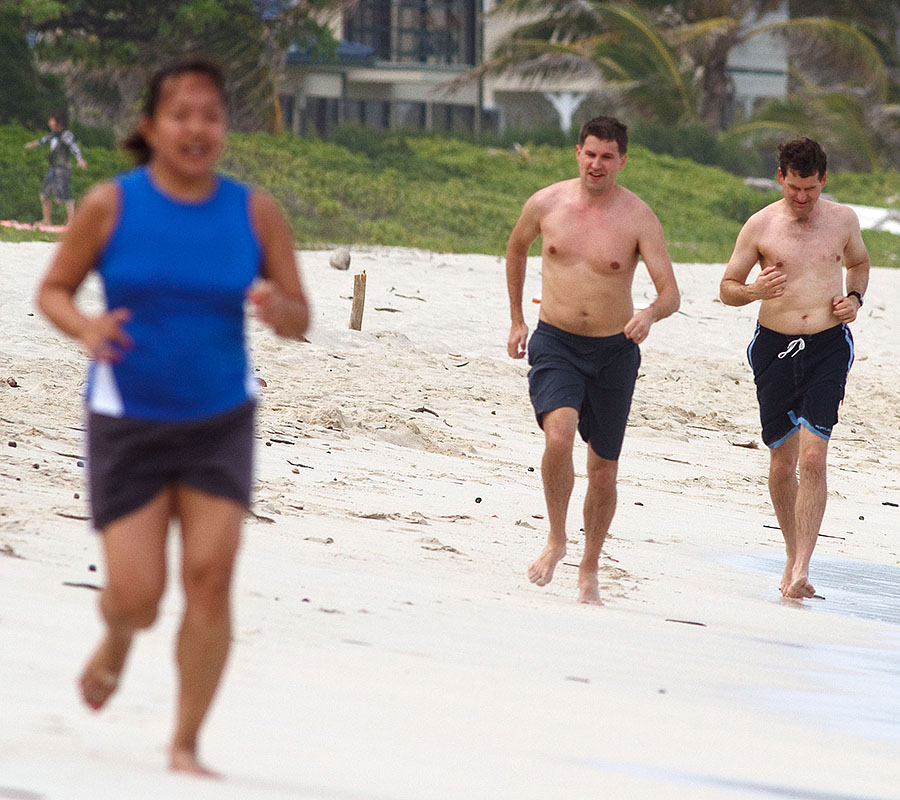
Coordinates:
<point>566,104</point>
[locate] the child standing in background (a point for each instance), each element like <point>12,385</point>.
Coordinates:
<point>56,181</point>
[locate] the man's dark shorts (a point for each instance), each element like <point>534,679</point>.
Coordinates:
<point>56,184</point>
<point>131,460</point>
<point>595,375</point>
<point>800,380</point>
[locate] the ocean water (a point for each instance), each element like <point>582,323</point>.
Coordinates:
<point>850,587</point>
<point>732,787</point>
<point>854,690</point>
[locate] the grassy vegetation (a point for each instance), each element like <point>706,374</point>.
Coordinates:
<point>448,195</point>
<point>21,173</point>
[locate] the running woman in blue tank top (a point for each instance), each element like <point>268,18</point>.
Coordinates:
<point>170,401</point>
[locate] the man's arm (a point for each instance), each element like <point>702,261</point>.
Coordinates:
<point>734,289</point>
<point>652,247</point>
<point>856,260</point>
<point>527,229</point>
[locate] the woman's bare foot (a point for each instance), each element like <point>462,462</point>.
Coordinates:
<point>100,677</point>
<point>541,569</point>
<point>181,760</point>
<point>588,588</point>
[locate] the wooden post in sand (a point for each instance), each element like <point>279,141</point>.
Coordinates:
<point>359,301</point>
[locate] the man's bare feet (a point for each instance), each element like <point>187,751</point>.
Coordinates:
<point>541,569</point>
<point>186,761</point>
<point>588,588</point>
<point>800,587</point>
<point>786,575</point>
<point>100,677</point>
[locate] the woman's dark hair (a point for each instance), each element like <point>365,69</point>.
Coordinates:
<point>61,116</point>
<point>135,144</point>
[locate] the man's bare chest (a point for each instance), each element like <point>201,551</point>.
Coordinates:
<point>602,246</point>
<point>786,247</point>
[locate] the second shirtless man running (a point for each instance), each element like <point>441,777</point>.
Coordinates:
<point>802,350</point>
<point>584,353</point>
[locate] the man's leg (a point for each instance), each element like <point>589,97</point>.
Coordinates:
<point>783,491</point>
<point>70,211</point>
<point>599,509</point>
<point>211,528</point>
<point>135,552</point>
<point>558,473</point>
<point>812,494</point>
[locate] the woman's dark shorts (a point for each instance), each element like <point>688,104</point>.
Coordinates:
<point>800,380</point>
<point>595,375</point>
<point>131,460</point>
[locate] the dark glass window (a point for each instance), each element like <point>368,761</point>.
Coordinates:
<point>371,24</point>
<point>438,32</point>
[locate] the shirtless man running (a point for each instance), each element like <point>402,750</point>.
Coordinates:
<point>802,349</point>
<point>584,353</point>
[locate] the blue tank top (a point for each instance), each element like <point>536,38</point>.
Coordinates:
<point>183,270</point>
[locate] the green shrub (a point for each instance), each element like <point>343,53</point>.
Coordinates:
<point>439,193</point>
<point>880,187</point>
<point>27,96</point>
<point>696,142</point>
<point>93,136</point>
<point>22,172</point>
<point>883,247</point>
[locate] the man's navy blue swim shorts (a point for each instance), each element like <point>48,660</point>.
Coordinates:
<point>595,375</point>
<point>800,380</point>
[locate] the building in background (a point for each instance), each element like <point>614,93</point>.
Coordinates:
<point>397,57</point>
<point>759,66</point>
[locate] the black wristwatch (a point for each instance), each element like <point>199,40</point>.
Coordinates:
<point>858,296</point>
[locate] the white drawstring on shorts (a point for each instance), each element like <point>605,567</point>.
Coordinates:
<point>794,347</point>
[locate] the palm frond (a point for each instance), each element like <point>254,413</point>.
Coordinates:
<point>654,46</point>
<point>703,35</point>
<point>835,51</point>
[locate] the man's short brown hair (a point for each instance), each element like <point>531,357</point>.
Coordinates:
<point>606,129</point>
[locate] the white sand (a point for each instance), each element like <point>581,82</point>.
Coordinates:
<point>387,643</point>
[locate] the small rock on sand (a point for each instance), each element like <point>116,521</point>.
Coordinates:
<point>340,258</point>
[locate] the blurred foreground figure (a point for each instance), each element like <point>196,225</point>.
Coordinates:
<point>170,398</point>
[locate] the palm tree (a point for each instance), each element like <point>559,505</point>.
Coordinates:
<point>706,32</point>
<point>858,134</point>
<point>822,48</point>
<point>615,44</point>
<point>842,91</point>
<point>670,61</point>
<point>113,45</point>
<point>880,17</point>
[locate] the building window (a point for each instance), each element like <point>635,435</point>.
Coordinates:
<point>371,24</point>
<point>440,32</point>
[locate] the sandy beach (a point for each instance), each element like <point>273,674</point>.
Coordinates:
<point>388,645</point>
